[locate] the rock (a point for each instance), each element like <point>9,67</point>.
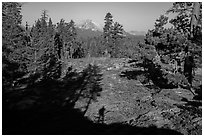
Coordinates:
<point>177,94</point>
<point>146,98</point>
<point>197,121</point>
<point>110,68</point>
<point>198,71</point>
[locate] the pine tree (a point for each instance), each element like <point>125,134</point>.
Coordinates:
<point>50,35</point>
<point>159,24</point>
<point>112,33</point>
<point>42,45</point>
<point>65,41</point>
<point>58,45</point>
<point>71,44</point>
<point>107,31</point>
<point>44,19</point>
<point>188,23</point>
<point>52,65</point>
<point>188,19</point>
<point>13,43</point>
<point>117,34</point>
<point>36,46</point>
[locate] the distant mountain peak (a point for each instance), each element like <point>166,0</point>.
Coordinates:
<point>89,27</point>
<point>89,24</point>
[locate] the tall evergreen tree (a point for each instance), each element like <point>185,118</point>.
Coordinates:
<point>42,37</point>
<point>107,31</point>
<point>117,34</point>
<point>44,19</point>
<point>65,41</point>
<point>189,18</point>
<point>13,42</point>
<point>71,45</point>
<point>112,32</point>
<point>189,22</point>
<point>36,46</point>
<point>58,45</point>
<point>159,24</point>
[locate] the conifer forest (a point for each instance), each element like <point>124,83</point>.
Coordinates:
<point>61,79</point>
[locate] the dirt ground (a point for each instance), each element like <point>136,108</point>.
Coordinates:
<point>129,101</point>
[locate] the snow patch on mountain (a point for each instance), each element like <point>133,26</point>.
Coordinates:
<point>141,33</point>
<point>89,24</point>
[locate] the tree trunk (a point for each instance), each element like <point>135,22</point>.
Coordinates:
<point>194,18</point>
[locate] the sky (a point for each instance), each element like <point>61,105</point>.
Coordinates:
<point>134,16</point>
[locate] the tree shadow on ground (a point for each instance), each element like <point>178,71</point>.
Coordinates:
<point>46,107</point>
<point>69,121</point>
<point>197,99</point>
<point>148,72</point>
<point>198,91</point>
<point>193,103</point>
<point>36,97</point>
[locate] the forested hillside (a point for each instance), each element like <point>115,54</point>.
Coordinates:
<point>60,79</point>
